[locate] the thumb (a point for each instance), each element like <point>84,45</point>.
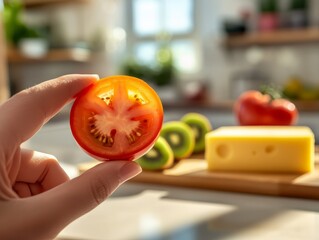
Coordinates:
<point>70,200</point>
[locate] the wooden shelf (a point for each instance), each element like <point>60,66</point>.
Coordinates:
<point>55,55</point>
<point>279,37</point>
<point>37,3</point>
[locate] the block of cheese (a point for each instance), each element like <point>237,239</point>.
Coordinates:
<point>275,149</point>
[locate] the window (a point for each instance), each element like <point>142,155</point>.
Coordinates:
<point>153,19</point>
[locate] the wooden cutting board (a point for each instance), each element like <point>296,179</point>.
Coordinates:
<point>192,173</point>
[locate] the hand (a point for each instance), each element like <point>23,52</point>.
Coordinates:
<point>37,199</point>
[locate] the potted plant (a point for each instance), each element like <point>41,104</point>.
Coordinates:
<point>298,13</point>
<point>268,15</point>
<point>21,36</point>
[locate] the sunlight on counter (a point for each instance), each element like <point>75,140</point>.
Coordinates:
<point>140,211</point>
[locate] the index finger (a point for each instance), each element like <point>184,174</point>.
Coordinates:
<point>26,112</point>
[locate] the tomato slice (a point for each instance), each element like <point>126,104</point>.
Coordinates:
<point>118,118</point>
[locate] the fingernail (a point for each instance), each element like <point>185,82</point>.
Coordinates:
<point>129,170</point>
<point>95,76</point>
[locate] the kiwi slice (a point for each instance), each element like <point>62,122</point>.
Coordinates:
<point>200,125</point>
<point>180,137</point>
<point>159,157</point>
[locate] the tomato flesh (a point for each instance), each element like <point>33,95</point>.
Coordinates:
<point>117,118</point>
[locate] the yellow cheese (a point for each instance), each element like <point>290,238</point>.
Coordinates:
<point>288,149</point>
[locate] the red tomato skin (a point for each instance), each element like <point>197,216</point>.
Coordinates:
<point>106,156</point>
<point>255,108</point>
<point>129,157</point>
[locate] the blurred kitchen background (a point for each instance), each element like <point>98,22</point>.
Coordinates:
<point>198,55</point>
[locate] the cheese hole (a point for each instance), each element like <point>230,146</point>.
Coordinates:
<point>269,149</point>
<point>222,151</point>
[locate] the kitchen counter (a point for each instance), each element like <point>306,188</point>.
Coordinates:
<point>301,105</point>
<point>143,211</point>
<point>222,115</point>
<point>140,211</point>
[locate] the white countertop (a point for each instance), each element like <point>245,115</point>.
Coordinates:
<point>153,212</point>
<point>140,211</point>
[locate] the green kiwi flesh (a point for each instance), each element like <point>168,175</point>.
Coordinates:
<point>200,125</point>
<point>159,157</point>
<point>180,137</point>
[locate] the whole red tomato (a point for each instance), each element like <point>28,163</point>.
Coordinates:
<point>254,108</point>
